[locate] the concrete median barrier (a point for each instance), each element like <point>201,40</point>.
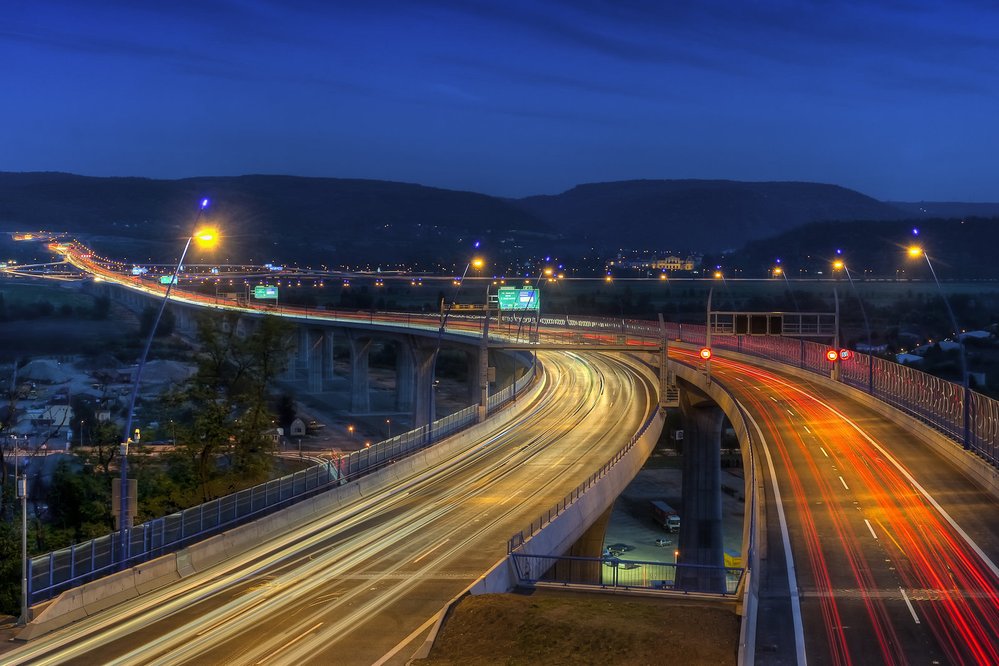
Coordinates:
<point>109,591</point>
<point>54,614</point>
<point>156,573</point>
<point>206,554</point>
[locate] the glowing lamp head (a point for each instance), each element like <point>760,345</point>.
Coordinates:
<point>915,251</point>
<point>204,204</point>
<point>206,236</point>
<point>705,353</point>
<point>662,276</point>
<point>838,265</point>
<point>608,278</point>
<point>549,272</point>
<point>778,270</point>
<point>832,355</point>
<point>718,275</point>
<point>478,263</point>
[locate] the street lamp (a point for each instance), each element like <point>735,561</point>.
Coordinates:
<point>478,262</point>
<point>867,325</point>
<point>21,485</point>
<point>914,252</point>
<point>203,236</point>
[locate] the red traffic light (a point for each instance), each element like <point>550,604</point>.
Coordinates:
<point>845,354</point>
<point>705,353</point>
<point>832,355</point>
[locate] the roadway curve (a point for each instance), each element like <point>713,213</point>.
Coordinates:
<point>365,584</point>
<point>894,547</point>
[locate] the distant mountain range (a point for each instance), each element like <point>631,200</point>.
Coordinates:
<point>703,215</point>
<point>345,221</point>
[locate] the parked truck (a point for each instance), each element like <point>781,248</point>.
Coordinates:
<point>666,516</point>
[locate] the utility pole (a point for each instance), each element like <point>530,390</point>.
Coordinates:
<point>21,481</point>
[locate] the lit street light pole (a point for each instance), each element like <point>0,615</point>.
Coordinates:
<point>478,263</point>
<point>867,327</point>
<point>916,251</point>
<point>124,520</point>
<point>21,485</point>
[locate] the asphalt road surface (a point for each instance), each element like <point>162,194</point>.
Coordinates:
<point>893,547</point>
<point>363,586</point>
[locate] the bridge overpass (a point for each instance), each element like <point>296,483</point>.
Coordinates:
<point>872,537</point>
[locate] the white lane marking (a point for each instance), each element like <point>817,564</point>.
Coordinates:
<point>430,551</point>
<point>807,430</point>
<point>792,583</point>
<point>406,641</point>
<point>844,483</point>
<point>908,603</point>
<point>904,472</point>
<point>823,452</point>
<point>293,641</point>
<point>873,533</point>
<point>789,412</point>
<point>773,398</point>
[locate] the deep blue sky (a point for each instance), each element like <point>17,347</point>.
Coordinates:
<point>899,100</point>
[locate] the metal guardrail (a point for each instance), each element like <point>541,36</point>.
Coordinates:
<point>934,401</point>
<point>63,569</point>
<point>628,574</point>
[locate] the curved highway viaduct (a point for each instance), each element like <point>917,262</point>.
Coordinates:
<point>875,535</point>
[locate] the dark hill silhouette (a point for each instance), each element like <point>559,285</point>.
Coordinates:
<point>347,221</point>
<point>947,209</point>
<point>705,215</point>
<point>285,218</point>
<point>958,249</point>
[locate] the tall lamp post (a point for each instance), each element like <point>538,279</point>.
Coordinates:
<point>21,486</point>
<point>916,251</point>
<point>206,236</point>
<point>478,263</point>
<point>840,264</point>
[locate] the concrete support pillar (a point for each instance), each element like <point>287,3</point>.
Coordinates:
<point>360,398</point>
<point>302,351</point>
<point>405,376</point>
<point>314,360</point>
<point>423,392</point>
<point>701,518</point>
<point>472,383</point>
<point>591,544</point>
<point>328,373</point>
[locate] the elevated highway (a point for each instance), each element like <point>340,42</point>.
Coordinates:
<point>891,546</point>
<point>874,546</point>
<point>365,583</point>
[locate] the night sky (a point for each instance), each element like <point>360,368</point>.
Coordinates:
<point>895,99</point>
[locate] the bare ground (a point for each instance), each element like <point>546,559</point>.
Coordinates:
<point>578,628</point>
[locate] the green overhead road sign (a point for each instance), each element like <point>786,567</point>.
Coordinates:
<point>514,298</point>
<point>267,291</point>
<point>168,279</point>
